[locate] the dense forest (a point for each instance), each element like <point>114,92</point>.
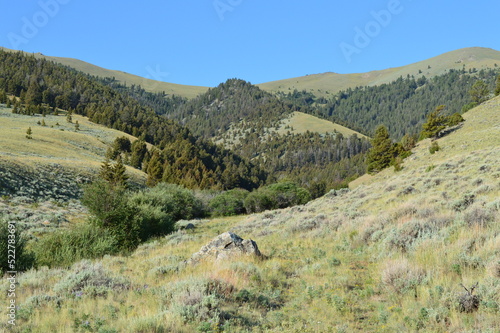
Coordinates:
<point>402,105</point>
<point>181,157</point>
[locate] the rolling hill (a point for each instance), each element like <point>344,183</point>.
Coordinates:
<point>330,83</point>
<point>57,158</point>
<point>125,78</point>
<point>319,84</point>
<point>395,254</point>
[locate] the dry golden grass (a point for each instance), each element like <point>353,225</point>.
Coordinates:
<point>302,122</point>
<point>330,83</point>
<point>79,150</point>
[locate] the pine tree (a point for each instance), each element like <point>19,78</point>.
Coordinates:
<point>77,126</point>
<point>479,92</point>
<point>69,118</point>
<point>497,89</point>
<point>139,151</point>
<point>29,133</point>
<point>381,154</point>
<point>435,124</point>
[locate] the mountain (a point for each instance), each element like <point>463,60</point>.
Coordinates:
<point>414,250</point>
<point>125,78</point>
<point>37,87</point>
<point>321,85</point>
<point>277,134</point>
<point>331,83</point>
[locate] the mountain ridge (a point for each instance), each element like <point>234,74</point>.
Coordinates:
<point>321,83</point>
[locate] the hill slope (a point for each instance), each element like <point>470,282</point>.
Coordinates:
<point>125,78</point>
<point>57,158</point>
<point>388,256</point>
<point>330,83</point>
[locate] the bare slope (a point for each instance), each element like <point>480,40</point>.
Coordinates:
<point>322,84</point>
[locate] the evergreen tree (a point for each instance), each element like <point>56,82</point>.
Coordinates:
<point>479,92</point>
<point>435,123</point>
<point>497,89</point>
<point>139,151</point>
<point>29,132</point>
<point>77,126</point>
<point>382,151</point>
<point>69,118</point>
<point>154,169</point>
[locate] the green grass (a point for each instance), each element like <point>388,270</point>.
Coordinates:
<point>329,83</point>
<point>387,256</point>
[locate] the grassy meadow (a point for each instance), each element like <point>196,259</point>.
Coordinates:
<point>389,255</point>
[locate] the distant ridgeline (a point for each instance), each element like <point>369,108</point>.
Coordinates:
<point>402,105</point>
<point>179,157</point>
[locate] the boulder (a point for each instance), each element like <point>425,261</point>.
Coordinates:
<point>225,246</point>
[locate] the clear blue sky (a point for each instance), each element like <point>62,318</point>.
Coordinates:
<point>205,42</point>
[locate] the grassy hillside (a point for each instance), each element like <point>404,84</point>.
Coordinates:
<point>126,78</point>
<point>387,256</point>
<point>56,144</point>
<point>301,122</point>
<point>330,83</point>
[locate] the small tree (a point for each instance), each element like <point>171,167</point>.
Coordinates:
<point>77,126</point>
<point>479,92</point>
<point>435,124</point>
<point>382,152</point>
<point>69,118</point>
<point>29,133</point>
<point>497,89</point>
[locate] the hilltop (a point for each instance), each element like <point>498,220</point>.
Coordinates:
<point>331,83</point>
<point>320,85</point>
<point>124,78</point>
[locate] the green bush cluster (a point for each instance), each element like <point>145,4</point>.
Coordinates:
<point>229,203</point>
<point>275,196</point>
<point>20,259</point>
<point>64,247</point>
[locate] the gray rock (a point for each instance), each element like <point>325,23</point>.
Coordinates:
<point>225,246</point>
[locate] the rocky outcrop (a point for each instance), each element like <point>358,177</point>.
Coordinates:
<point>225,246</point>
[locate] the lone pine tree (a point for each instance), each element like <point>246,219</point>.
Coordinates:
<point>382,152</point>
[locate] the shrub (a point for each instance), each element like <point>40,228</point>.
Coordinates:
<point>478,216</point>
<point>109,205</point>
<point>275,196</point>
<point>64,247</point>
<point>434,147</point>
<point>87,276</point>
<point>229,203</point>
<point>401,277</point>
<point>158,208</point>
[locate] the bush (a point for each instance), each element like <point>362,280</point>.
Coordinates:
<point>64,247</point>
<point>434,147</point>
<point>87,277</point>
<point>229,203</point>
<point>276,196</point>
<point>401,277</point>
<point>158,208</point>
<point>109,205</point>
<point>10,235</point>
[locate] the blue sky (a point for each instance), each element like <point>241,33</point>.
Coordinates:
<point>205,42</point>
